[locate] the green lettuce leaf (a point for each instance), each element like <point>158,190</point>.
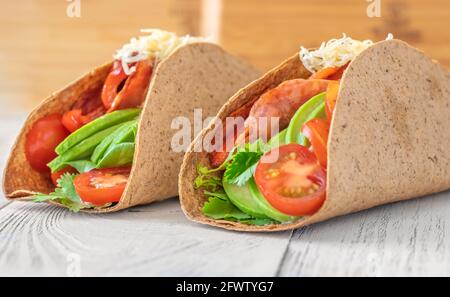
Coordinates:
<point>207,179</point>
<point>81,166</point>
<point>219,208</point>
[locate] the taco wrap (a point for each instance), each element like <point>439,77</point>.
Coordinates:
<point>102,143</point>
<point>358,124</point>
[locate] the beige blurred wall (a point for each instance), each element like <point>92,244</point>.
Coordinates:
<point>42,49</point>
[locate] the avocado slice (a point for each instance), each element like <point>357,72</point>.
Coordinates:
<point>82,150</point>
<point>118,155</point>
<point>277,140</point>
<point>265,205</point>
<point>102,123</point>
<point>313,108</point>
<point>241,197</point>
<point>125,134</point>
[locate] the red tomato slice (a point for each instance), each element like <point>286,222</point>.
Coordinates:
<point>101,186</point>
<point>41,141</point>
<point>316,130</point>
<point>56,175</point>
<point>294,184</point>
<point>330,98</point>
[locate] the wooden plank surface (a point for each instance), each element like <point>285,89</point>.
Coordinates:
<point>402,239</point>
<point>157,240</point>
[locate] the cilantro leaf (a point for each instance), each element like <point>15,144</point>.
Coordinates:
<point>239,168</point>
<point>242,166</point>
<point>65,194</point>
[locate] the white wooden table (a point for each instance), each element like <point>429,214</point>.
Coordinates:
<point>403,239</point>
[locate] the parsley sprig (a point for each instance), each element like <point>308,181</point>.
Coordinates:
<point>65,194</point>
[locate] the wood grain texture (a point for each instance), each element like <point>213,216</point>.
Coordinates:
<point>402,239</point>
<point>266,32</point>
<point>157,240</point>
<point>42,49</point>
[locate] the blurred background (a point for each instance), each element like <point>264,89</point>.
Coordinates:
<point>42,48</point>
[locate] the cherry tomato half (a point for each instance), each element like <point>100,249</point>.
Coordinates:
<point>41,141</point>
<point>56,175</point>
<point>294,184</point>
<point>101,186</point>
<point>316,130</point>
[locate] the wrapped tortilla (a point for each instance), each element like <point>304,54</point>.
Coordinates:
<point>387,140</point>
<point>186,73</point>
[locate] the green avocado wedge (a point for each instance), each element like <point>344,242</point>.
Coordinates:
<point>265,205</point>
<point>313,108</point>
<point>241,197</point>
<point>104,122</point>
<point>118,155</point>
<point>82,150</point>
<point>125,134</point>
<point>277,140</point>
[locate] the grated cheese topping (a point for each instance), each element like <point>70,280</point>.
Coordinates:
<point>334,53</point>
<point>157,44</point>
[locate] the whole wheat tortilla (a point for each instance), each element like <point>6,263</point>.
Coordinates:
<point>196,75</point>
<point>389,138</point>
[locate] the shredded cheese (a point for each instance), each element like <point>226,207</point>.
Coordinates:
<point>157,44</point>
<point>334,53</point>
